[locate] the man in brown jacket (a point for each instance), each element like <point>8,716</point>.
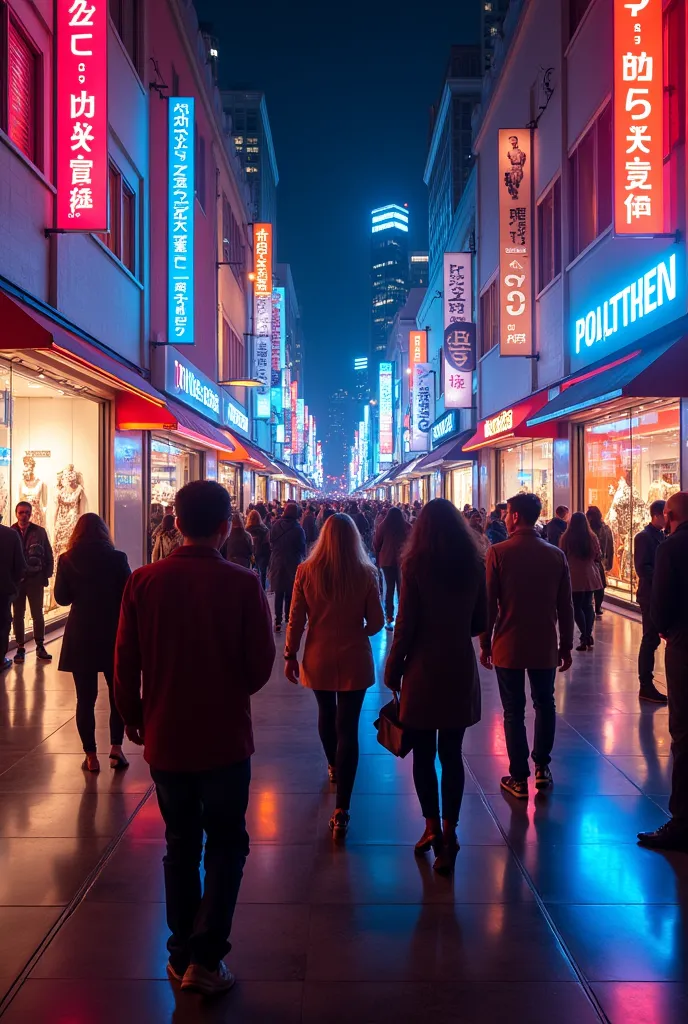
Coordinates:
<point>528,592</point>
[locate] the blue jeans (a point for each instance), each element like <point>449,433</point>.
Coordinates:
<point>512,690</point>
<point>192,803</point>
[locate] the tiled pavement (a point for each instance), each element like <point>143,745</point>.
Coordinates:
<point>554,914</point>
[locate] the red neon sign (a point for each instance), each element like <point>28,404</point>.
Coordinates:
<point>638,117</point>
<point>82,118</point>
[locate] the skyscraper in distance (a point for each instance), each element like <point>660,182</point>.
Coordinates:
<point>389,226</point>
<point>361,382</point>
<point>250,130</point>
<point>492,15</point>
<point>339,421</point>
<point>418,270</point>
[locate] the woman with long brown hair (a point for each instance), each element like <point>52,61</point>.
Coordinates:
<point>389,542</point>
<point>432,661</point>
<point>336,589</point>
<point>91,576</point>
<point>582,549</point>
<point>606,541</point>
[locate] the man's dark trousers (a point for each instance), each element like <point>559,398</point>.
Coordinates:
<point>192,803</point>
<point>512,689</point>
<point>676,664</point>
<point>648,645</point>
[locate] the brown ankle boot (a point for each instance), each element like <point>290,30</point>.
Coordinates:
<point>431,837</point>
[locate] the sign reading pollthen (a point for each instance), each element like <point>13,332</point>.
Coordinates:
<point>640,299</point>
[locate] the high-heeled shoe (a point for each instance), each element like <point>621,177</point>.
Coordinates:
<point>90,763</point>
<point>118,762</point>
<point>446,858</point>
<point>431,838</point>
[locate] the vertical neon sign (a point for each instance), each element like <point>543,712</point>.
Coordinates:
<point>81,115</point>
<point>180,231</point>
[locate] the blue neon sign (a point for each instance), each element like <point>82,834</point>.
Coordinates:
<point>180,230</point>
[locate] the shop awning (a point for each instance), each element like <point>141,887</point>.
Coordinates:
<point>25,328</point>
<point>246,451</point>
<point>449,452</point>
<point>660,372</point>
<point>511,422</point>
<point>133,412</point>
<point>410,469</point>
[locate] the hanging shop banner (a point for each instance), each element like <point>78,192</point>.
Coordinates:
<point>278,345</point>
<point>286,402</point>
<point>262,319</point>
<point>638,117</point>
<point>423,406</point>
<point>81,115</point>
<point>299,429</point>
<point>418,347</point>
<point>181,189</point>
<point>386,412</point>
<point>294,425</point>
<point>515,243</point>
<point>459,331</point>
<point>262,259</point>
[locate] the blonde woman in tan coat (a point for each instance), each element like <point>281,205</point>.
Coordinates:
<point>337,591</point>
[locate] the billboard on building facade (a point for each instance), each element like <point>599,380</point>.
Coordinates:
<point>81,115</point>
<point>278,344</point>
<point>515,243</point>
<point>459,333</point>
<point>638,118</point>
<point>418,347</point>
<point>423,406</point>
<point>180,229</point>
<point>262,259</point>
<point>386,412</point>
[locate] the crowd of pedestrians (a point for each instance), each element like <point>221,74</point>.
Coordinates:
<point>340,572</point>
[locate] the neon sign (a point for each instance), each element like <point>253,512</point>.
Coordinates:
<point>180,231</point>
<point>500,424</point>
<point>82,115</point>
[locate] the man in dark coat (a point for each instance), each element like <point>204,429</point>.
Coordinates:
<point>288,544</point>
<point>40,567</point>
<point>12,571</point>
<point>309,526</point>
<point>194,643</point>
<point>528,595</point>
<point>556,528</point>
<point>669,613</point>
<point>645,548</point>
<point>496,529</point>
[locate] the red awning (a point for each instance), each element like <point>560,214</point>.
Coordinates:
<point>251,454</point>
<point>510,423</point>
<point>132,412</point>
<point>22,328</point>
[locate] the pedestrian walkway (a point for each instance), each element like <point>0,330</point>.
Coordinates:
<point>554,915</point>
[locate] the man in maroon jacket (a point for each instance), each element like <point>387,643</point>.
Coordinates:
<point>194,643</point>
<point>528,595</point>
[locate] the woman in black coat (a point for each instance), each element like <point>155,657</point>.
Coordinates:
<point>443,604</point>
<point>91,576</point>
<point>288,550</point>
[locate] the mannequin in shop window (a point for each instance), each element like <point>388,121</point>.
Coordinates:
<point>68,506</point>
<point>33,490</point>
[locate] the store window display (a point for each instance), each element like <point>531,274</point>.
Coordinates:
<point>462,486</point>
<point>49,456</point>
<point>632,458</point>
<point>228,474</point>
<point>528,469</point>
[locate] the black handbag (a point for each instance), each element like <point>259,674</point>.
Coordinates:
<point>390,732</point>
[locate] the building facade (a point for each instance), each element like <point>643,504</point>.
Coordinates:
<point>389,273</point>
<point>592,408</point>
<point>418,270</point>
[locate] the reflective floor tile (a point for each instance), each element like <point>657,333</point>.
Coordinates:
<point>57,815</point>
<point>62,773</point>
<point>631,943</point>
<point>570,820</point>
<point>447,1003</point>
<point>22,929</point>
<point>393,874</point>
<point>497,942</point>
<point>620,873</point>
<point>396,820</point>
<point>572,775</point>
<point>45,872</point>
<point>646,733</point>
<point>643,1002</point>
<point>153,1002</point>
<point>650,772</point>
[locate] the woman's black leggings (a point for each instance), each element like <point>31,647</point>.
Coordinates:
<point>338,716</point>
<point>584,612</point>
<point>448,744</point>
<point>86,696</point>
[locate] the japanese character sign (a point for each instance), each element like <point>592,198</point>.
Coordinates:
<point>181,188</point>
<point>82,115</point>
<point>262,259</point>
<point>459,330</point>
<point>638,118</point>
<point>423,406</point>
<point>515,243</point>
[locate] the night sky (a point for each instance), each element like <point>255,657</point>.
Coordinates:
<point>349,88</point>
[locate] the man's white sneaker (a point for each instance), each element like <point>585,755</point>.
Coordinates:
<point>208,983</point>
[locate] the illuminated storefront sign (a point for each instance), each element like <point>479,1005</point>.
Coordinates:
<point>81,115</point>
<point>286,404</point>
<point>648,298</point>
<point>418,347</point>
<point>638,117</point>
<point>444,427</point>
<point>192,386</point>
<point>188,385</point>
<point>299,427</point>
<point>423,406</point>
<point>386,413</point>
<point>294,426</point>
<point>515,243</point>
<point>278,348</point>
<point>180,228</point>
<point>262,259</point>
<point>500,424</point>
<point>459,332</point>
